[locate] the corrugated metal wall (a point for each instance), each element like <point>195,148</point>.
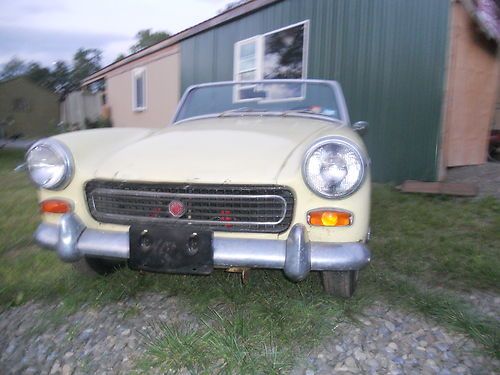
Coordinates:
<point>389,56</point>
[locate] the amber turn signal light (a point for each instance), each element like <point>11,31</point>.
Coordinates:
<point>55,206</point>
<point>329,218</point>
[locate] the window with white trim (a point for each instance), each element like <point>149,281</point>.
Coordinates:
<point>246,68</point>
<point>139,89</point>
<point>279,54</point>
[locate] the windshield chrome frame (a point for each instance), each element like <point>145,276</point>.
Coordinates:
<point>339,97</point>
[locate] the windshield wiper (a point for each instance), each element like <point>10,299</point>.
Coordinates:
<point>242,109</point>
<point>303,110</point>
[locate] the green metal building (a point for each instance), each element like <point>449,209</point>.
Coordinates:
<point>389,56</point>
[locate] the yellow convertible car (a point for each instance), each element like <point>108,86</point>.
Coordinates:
<point>261,174</point>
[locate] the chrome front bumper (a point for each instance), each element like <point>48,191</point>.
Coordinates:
<point>296,255</point>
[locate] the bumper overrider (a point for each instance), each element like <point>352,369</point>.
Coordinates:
<point>296,255</point>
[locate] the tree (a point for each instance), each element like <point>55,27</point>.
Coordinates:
<point>121,56</point>
<point>40,75</point>
<point>145,38</point>
<point>85,63</point>
<point>61,76</point>
<point>13,68</point>
<point>57,79</point>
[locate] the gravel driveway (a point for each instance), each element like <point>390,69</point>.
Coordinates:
<point>110,340</point>
<point>105,341</point>
<point>390,341</point>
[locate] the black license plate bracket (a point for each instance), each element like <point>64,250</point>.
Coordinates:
<point>169,249</point>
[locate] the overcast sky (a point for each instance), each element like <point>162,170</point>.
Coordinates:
<point>46,31</point>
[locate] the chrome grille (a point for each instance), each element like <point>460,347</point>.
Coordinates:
<point>230,208</point>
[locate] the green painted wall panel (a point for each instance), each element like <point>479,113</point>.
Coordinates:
<point>388,55</point>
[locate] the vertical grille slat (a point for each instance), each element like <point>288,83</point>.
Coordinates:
<point>229,208</point>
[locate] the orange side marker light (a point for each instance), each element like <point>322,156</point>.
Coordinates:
<point>55,206</point>
<point>329,218</point>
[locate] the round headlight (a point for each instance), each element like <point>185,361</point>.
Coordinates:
<point>334,168</point>
<point>50,164</point>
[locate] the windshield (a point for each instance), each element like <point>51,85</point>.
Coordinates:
<point>285,98</point>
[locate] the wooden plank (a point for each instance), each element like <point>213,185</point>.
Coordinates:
<point>446,188</point>
<point>471,91</point>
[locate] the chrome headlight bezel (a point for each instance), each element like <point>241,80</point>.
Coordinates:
<point>61,151</point>
<point>364,162</point>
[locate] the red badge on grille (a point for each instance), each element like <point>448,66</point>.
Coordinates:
<point>176,208</point>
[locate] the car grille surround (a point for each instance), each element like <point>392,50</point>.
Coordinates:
<point>215,207</point>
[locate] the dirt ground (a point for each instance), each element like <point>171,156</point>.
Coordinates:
<point>485,176</point>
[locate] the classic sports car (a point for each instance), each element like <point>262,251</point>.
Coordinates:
<point>261,174</point>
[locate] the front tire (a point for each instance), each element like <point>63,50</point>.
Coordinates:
<point>340,283</point>
<point>96,266</point>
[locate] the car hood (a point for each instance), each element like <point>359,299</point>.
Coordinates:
<point>246,149</point>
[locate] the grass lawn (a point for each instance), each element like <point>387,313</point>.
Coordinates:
<point>423,247</point>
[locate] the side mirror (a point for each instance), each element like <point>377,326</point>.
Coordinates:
<point>361,127</point>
